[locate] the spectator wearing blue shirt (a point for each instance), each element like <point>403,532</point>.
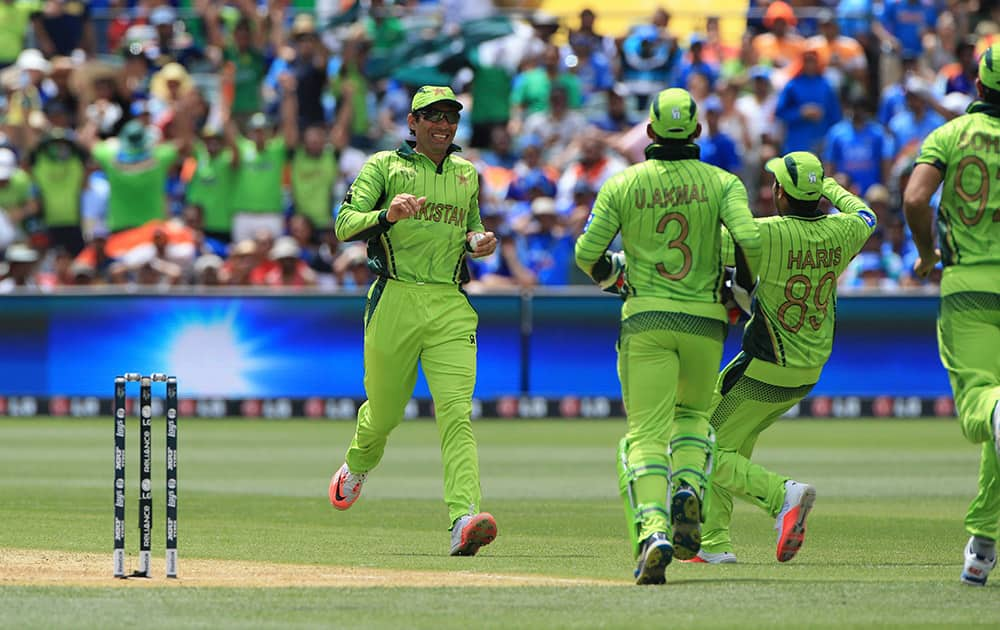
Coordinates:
<point>855,18</point>
<point>903,23</point>
<point>717,148</point>
<point>910,126</point>
<point>808,106</point>
<point>649,61</point>
<point>893,99</point>
<point>615,118</point>
<point>547,250</point>
<point>590,65</point>
<point>695,63</point>
<point>859,147</point>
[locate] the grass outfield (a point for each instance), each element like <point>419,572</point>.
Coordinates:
<point>260,545</point>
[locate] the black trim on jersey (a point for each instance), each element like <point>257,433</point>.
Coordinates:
<point>378,258</point>
<point>949,255</point>
<point>982,107</point>
<point>757,339</point>
<point>673,151</point>
<point>737,369</point>
<point>374,298</point>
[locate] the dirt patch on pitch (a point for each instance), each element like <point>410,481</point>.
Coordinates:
<point>62,568</point>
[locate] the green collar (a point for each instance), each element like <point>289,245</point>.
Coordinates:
<point>408,149</point>
<point>982,107</point>
<point>673,152</point>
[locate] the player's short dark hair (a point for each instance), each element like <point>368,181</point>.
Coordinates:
<point>802,207</point>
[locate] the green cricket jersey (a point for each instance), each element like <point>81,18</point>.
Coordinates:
<point>211,187</point>
<point>312,185</point>
<point>429,247</point>
<point>668,210</point>
<point>793,319</point>
<point>967,152</point>
<point>138,184</point>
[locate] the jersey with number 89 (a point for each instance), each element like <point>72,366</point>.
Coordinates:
<point>801,258</point>
<point>967,152</point>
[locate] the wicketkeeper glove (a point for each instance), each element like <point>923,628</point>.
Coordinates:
<point>615,277</point>
<point>738,293</point>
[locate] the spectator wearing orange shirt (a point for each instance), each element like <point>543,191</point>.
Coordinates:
<point>843,56</point>
<point>289,269</point>
<point>780,45</point>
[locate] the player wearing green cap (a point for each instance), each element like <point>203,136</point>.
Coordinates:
<point>418,209</point>
<point>785,345</point>
<point>668,210</point>
<point>963,155</point>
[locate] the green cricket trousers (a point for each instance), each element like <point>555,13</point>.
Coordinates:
<point>969,342</point>
<point>749,396</point>
<point>433,324</point>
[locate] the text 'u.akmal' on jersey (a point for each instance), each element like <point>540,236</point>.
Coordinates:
<point>670,196</point>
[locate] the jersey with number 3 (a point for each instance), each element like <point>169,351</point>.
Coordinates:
<point>668,210</point>
<point>967,152</point>
<point>801,258</point>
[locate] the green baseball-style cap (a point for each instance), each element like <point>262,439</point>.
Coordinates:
<point>430,94</point>
<point>989,67</point>
<point>800,173</point>
<point>673,114</point>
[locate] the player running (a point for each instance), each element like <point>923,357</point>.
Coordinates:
<point>785,345</point>
<point>668,210</point>
<point>418,208</point>
<point>964,156</point>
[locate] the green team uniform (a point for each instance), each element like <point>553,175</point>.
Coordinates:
<point>138,183</point>
<point>966,151</point>
<point>416,311</point>
<point>668,210</point>
<point>785,345</point>
<point>211,187</point>
<point>312,185</point>
<point>259,180</point>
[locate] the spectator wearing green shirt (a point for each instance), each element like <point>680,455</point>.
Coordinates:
<point>244,62</point>
<point>258,199</point>
<point>315,169</point>
<point>15,198</point>
<point>216,164</point>
<point>530,92</point>
<point>137,167</point>
<point>15,16</point>
<point>59,170</point>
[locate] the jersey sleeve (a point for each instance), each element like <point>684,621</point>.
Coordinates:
<point>934,150</point>
<point>474,221</point>
<point>601,228</point>
<point>728,248</point>
<point>361,216</point>
<point>849,203</point>
<point>735,215</point>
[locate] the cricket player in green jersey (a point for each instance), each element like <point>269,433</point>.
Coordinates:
<point>418,209</point>
<point>668,210</point>
<point>963,156</point>
<point>785,345</point>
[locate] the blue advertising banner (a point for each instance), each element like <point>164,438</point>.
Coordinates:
<point>265,346</point>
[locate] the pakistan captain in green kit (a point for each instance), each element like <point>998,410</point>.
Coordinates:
<point>668,210</point>
<point>418,208</point>
<point>785,345</point>
<point>963,155</point>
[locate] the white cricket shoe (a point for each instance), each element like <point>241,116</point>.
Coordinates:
<point>471,532</point>
<point>977,568</point>
<point>791,521</point>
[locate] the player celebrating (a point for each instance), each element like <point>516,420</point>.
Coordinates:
<point>964,155</point>
<point>416,311</point>
<point>668,210</point>
<point>785,345</point>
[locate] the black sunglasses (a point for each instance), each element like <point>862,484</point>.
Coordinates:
<point>437,115</point>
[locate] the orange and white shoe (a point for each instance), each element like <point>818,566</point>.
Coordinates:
<point>345,487</point>
<point>791,521</point>
<point>707,557</point>
<point>471,532</point>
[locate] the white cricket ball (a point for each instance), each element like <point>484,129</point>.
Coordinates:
<point>475,239</point>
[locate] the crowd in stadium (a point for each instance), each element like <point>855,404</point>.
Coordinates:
<point>145,143</point>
